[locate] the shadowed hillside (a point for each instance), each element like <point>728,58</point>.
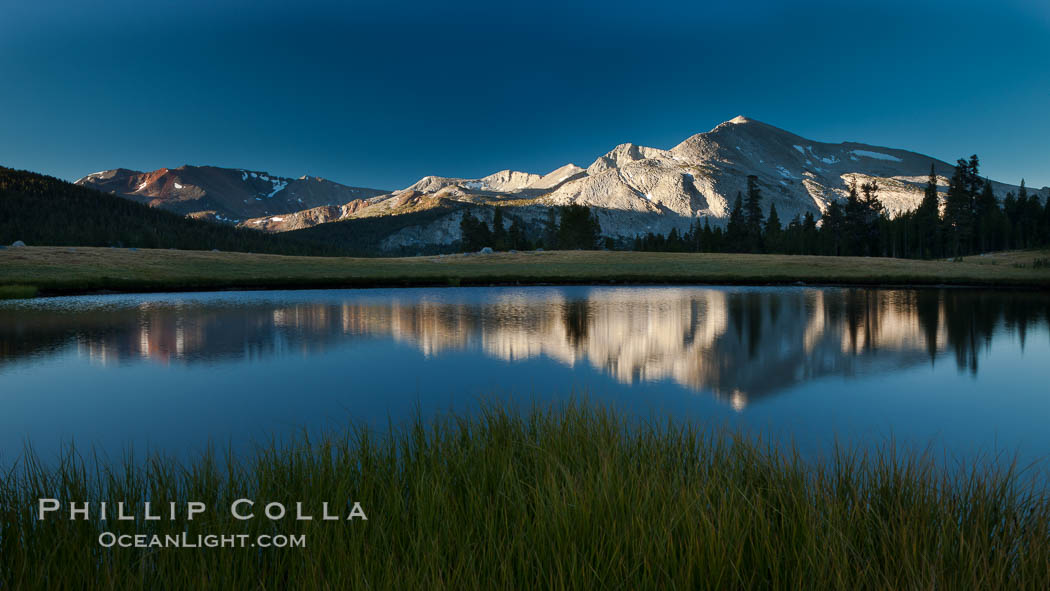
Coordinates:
<point>43,210</point>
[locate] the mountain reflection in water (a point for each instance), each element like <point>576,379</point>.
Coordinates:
<point>737,343</point>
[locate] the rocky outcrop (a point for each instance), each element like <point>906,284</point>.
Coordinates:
<point>556,177</point>
<point>508,181</point>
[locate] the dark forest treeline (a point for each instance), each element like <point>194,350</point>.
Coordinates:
<point>971,221</point>
<point>569,227</point>
<point>364,236</point>
<point>43,210</point>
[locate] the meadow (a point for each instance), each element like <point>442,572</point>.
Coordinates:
<point>66,270</point>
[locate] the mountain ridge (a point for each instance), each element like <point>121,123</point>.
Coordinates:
<point>634,189</point>
<point>223,194</point>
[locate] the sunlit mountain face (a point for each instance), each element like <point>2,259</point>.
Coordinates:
<point>735,343</point>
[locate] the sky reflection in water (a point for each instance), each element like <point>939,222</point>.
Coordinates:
<point>965,370</point>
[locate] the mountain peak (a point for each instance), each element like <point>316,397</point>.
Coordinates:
<point>749,125</point>
<point>508,180</point>
<point>621,155</point>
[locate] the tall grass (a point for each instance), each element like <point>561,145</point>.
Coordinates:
<point>568,498</point>
<point>17,292</point>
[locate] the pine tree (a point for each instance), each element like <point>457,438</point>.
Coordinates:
<point>1044,235</point>
<point>468,231</point>
<point>792,237</point>
<point>772,233</point>
<point>810,234</point>
<point>1020,207</point>
<point>853,229</point>
<point>753,215</point>
<point>579,228</point>
<point>832,231</point>
<point>550,230</point>
<point>674,241</point>
<point>1010,214</point>
<point>693,236</point>
<point>736,228</point>
<point>1031,213</point>
<point>516,235</point>
<point>499,233</point>
<point>927,219</point>
<point>958,209</point>
<point>988,224</point>
<point>873,217</point>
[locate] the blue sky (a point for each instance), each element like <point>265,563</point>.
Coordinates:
<point>378,94</point>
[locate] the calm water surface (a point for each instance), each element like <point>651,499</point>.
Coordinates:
<point>964,371</point>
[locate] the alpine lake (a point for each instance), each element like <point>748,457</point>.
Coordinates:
<point>959,373</point>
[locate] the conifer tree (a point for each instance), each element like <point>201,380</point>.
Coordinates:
<point>873,214</point>
<point>578,228</point>
<point>674,241</point>
<point>516,238</point>
<point>833,230</point>
<point>987,214</point>
<point>772,233</point>
<point>810,234</point>
<point>499,233</point>
<point>958,209</point>
<point>1020,224</point>
<point>792,236</point>
<point>1031,212</point>
<point>707,243</point>
<point>1010,215</point>
<point>927,219</point>
<point>1045,226</point>
<point>467,231</point>
<point>753,215</point>
<point>736,228</point>
<point>853,223</point>
<point>550,230</point>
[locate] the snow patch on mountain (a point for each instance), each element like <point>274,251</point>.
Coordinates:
<point>278,186</point>
<point>876,155</point>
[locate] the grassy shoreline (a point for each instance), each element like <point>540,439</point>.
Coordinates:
<point>570,498</point>
<point>69,271</point>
